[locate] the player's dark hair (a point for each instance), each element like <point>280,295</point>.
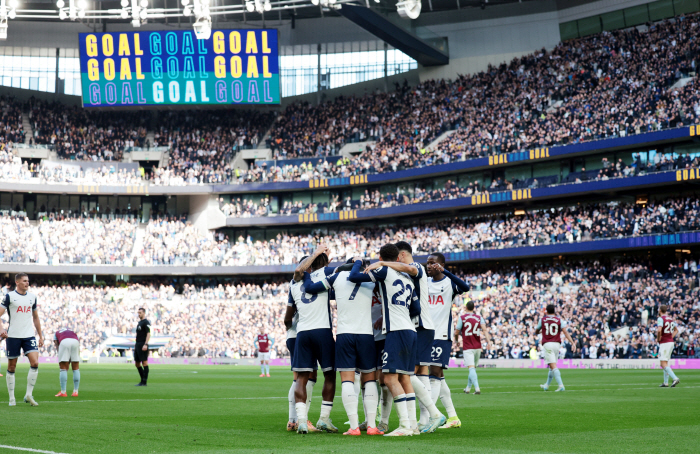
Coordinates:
<point>142,309</point>
<point>389,252</point>
<point>320,261</point>
<point>303,258</point>
<point>550,308</point>
<point>470,304</point>
<point>19,276</point>
<point>439,256</point>
<point>663,308</point>
<point>404,246</point>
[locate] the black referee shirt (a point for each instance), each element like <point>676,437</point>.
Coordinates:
<point>142,330</point>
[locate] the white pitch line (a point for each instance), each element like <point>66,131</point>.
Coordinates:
<point>18,448</point>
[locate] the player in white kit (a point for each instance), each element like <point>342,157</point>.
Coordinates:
<point>315,343</point>
<point>21,307</point>
<point>399,305</point>
<point>354,343</point>
<point>443,287</point>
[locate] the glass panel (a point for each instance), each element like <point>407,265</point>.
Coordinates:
<point>661,9</point>
<point>685,6</point>
<point>589,25</point>
<point>568,30</point>
<point>613,21</point>
<point>636,15</point>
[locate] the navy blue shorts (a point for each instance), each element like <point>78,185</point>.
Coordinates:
<point>313,347</point>
<point>16,345</point>
<point>355,352</point>
<point>440,355</point>
<point>378,352</point>
<point>425,339</point>
<point>290,347</point>
<point>399,352</point>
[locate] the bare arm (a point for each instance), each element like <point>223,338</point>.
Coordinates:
<point>569,338</point>
<point>306,263</point>
<point>3,332</point>
<point>658,333</point>
<point>289,316</point>
<point>396,266</point>
<point>487,336</point>
<point>37,325</point>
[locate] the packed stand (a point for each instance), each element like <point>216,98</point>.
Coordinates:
<point>20,241</point>
<point>202,143</point>
<point>175,241</point>
<point>86,135</point>
<point>11,129</point>
<point>88,240</point>
<point>541,227</point>
<point>610,311</point>
<point>245,208</point>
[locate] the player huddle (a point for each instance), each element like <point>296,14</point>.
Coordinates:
<point>394,327</point>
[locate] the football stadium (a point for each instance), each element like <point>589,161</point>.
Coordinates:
<point>271,226</point>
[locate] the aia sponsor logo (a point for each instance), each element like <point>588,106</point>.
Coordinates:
<point>435,299</point>
<point>24,309</point>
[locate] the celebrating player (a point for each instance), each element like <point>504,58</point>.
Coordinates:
<point>552,328</point>
<point>314,342</point>
<point>263,342</point>
<point>354,344</point>
<point>443,287</point>
<point>665,333</point>
<point>143,336</point>
<point>470,326</point>
<point>22,310</point>
<point>425,333</point>
<point>399,305</point>
<point>68,345</point>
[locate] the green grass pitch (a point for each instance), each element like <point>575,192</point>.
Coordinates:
<point>217,409</point>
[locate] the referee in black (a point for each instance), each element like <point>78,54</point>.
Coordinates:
<point>143,335</point>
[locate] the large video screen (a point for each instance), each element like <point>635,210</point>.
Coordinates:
<point>167,68</point>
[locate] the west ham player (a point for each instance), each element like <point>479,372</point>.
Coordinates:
<point>552,328</point>
<point>314,342</point>
<point>665,333</point>
<point>443,287</point>
<point>399,305</point>
<point>425,333</point>
<point>23,314</point>
<point>354,343</point>
<point>68,345</point>
<point>263,343</point>
<point>292,424</point>
<point>470,326</point>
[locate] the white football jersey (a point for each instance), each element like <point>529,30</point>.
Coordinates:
<point>377,313</point>
<point>314,310</point>
<point>292,332</point>
<point>420,288</point>
<point>441,295</point>
<point>354,302</point>
<point>19,311</point>
<point>396,290</point>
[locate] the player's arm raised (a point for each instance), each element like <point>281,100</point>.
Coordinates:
<point>37,324</point>
<point>357,276</point>
<point>306,263</point>
<point>458,283</point>
<point>314,288</point>
<point>569,338</point>
<point>396,266</point>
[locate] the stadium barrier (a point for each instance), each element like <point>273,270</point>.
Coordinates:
<point>676,363</point>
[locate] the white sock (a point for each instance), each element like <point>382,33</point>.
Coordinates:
<point>424,397</point>
<point>549,377</point>
<point>557,377</point>
<point>411,408</point>
<point>326,408</point>
<point>309,392</point>
<point>350,402</point>
<point>670,373</point>
<point>357,384</point>
<point>387,401</point>
<point>10,379</point>
<point>370,401</point>
<point>402,410</point>
<point>435,389</point>
<point>31,379</point>
<point>446,398</point>
<point>424,413</point>
<point>665,377</point>
<point>292,403</point>
<point>76,380</point>
<point>301,412</point>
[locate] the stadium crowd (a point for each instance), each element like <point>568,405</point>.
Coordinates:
<point>20,242</point>
<point>11,129</point>
<point>616,83</point>
<point>610,311</point>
